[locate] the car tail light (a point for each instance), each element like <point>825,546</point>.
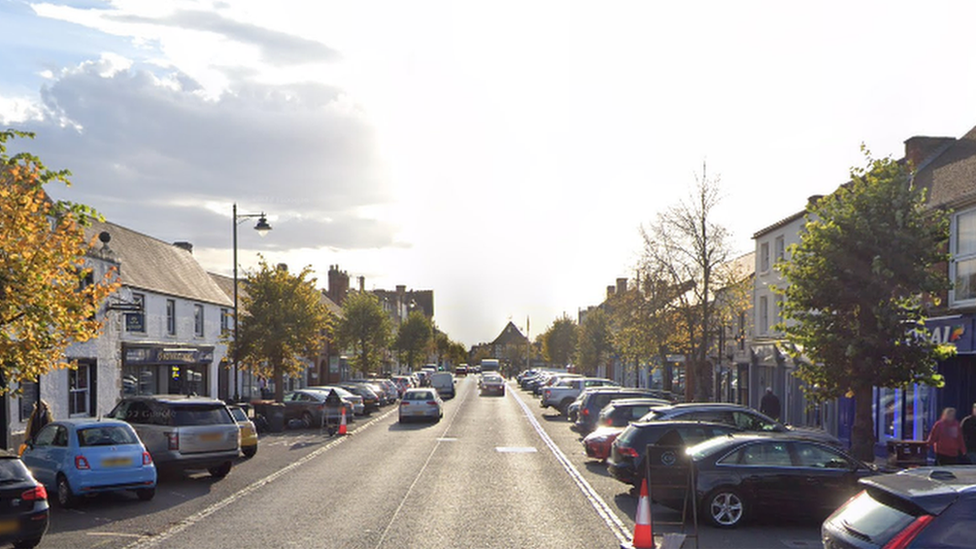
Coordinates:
<point>906,536</point>
<point>320,407</point>
<point>432,402</point>
<point>81,463</point>
<point>38,493</point>
<point>628,451</point>
<point>548,392</point>
<point>174,440</point>
<point>404,403</point>
<point>585,411</point>
<point>146,458</point>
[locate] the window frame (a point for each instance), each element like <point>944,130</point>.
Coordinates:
<point>956,258</point>
<point>764,259</point>
<point>170,317</point>
<point>780,248</point>
<point>198,320</point>
<point>78,374</point>
<point>763,314</point>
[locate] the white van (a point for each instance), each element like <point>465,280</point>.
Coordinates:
<point>444,383</point>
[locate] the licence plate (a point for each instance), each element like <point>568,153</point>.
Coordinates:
<point>116,462</point>
<point>418,413</point>
<point>9,526</point>
<point>211,437</point>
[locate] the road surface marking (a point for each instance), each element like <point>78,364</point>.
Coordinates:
<point>515,449</point>
<point>447,439</point>
<point>420,473</point>
<point>152,541</point>
<point>115,534</point>
<point>616,526</point>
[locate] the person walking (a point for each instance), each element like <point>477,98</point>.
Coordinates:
<point>946,439</point>
<point>769,404</point>
<point>968,426</point>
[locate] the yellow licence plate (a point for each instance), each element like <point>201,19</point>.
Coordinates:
<point>418,413</point>
<point>9,526</point>
<point>211,437</point>
<point>116,462</point>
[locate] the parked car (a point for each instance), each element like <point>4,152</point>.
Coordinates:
<point>461,370</point>
<point>24,519</point>
<point>565,391</point>
<point>444,383</point>
<point>308,405</point>
<point>371,401</point>
<point>614,418</point>
<point>249,433</point>
<point>383,397</point>
<point>355,402</point>
<point>594,400</point>
<point>492,383</point>
<point>182,432</point>
<point>914,509</point>
<point>422,403</point>
<point>403,383</point>
<point>391,389</point>
<point>551,380</point>
<point>742,417</point>
<point>772,475</point>
<point>79,457</point>
<point>668,439</point>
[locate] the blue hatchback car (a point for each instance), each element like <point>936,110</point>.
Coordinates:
<point>78,457</point>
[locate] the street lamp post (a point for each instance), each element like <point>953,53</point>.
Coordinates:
<point>262,227</point>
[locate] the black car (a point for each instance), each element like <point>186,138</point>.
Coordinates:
<point>25,514</point>
<point>924,507</point>
<point>743,418</point>
<point>371,400</point>
<point>594,400</point>
<point>668,440</point>
<point>738,476</point>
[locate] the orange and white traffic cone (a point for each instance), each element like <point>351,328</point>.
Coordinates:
<point>342,423</point>
<point>643,531</point>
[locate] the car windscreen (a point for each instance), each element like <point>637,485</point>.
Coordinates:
<point>200,414</point>
<point>12,469</point>
<point>106,435</point>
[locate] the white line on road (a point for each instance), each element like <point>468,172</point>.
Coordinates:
<point>420,473</point>
<point>606,513</point>
<point>153,541</point>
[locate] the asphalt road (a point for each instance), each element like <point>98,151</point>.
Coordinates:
<point>495,472</point>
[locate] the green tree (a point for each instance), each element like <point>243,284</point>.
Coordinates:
<point>281,323</point>
<point>594,342</point>
<point>365,329</point>
<point>413,337</point>
<point>559,341</point>
<point>48,299</point>
<point>854,304</point>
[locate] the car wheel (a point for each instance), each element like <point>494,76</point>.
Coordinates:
<point>249,451</point>
<point>66,498</point>
<point>564,407</point>
<point>27,543</point>
<point>220,471</point>
<point>725,508</point>
<point>146,494</point>
<point>307,419</point>
<point>403,419</point>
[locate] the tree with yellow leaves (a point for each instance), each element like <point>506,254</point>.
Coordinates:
<point>48,299</point>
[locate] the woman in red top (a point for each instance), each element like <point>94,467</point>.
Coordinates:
<point>946,439</point>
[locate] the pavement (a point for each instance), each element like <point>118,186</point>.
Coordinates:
<point>494,472</point>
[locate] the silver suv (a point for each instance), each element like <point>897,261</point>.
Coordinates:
<point>183,432</point>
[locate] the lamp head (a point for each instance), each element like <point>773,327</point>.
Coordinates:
<point>262,226</point>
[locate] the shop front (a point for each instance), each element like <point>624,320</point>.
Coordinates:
<point>149,369</point>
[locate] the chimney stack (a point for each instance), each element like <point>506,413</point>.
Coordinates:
<point>610,291</point>
<point>362,284</point>
<point>621,286</point>
<point>188,246</point>
<point>338,284</point>
<point>920,147</point>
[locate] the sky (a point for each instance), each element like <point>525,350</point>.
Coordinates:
<point>503,154</point>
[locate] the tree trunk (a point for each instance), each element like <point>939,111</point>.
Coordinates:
<point>279,382</point>
<point>862,436</point>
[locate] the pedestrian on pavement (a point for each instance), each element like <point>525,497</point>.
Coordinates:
<point>969,434</point>
<point>769,404</point>
<point>946,439</point>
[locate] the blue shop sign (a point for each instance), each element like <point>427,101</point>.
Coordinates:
<point>957,330</point>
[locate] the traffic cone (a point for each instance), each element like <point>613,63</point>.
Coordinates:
<point>342,422</point>
<point>643,532</point>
